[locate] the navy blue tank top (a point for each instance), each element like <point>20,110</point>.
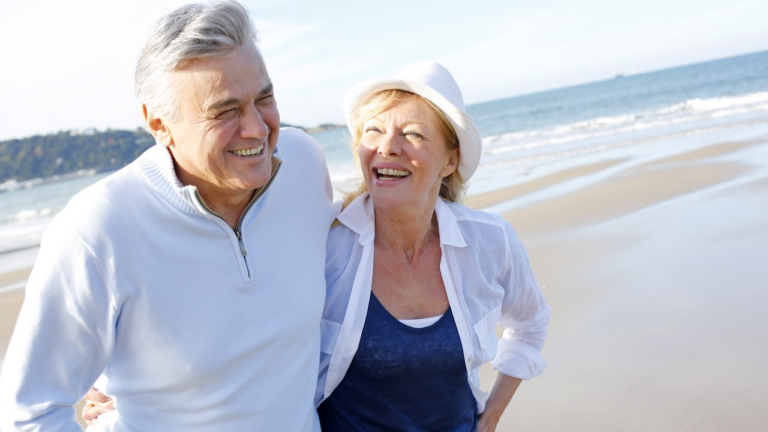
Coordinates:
<point>403,379</point>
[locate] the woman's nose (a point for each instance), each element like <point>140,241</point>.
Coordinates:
<point>390,145</point>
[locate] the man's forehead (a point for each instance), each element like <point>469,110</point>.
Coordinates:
<point>214,80</point>
<point>247,56</point>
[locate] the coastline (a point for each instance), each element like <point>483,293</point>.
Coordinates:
<point>653,271</point>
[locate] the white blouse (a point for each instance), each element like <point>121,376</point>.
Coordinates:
<point>487,278</point>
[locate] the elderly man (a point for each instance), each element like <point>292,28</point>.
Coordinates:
<point>194,277</point>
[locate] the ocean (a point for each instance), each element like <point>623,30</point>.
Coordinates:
<point>526,135</point>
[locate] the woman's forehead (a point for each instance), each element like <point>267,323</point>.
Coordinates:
<point>412,110</point>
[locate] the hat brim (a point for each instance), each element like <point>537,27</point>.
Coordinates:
<point>470,143</point>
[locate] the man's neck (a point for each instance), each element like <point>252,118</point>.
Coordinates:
<point>229,208</point>
<point>226,203</point>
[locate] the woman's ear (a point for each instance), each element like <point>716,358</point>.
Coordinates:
<point>451,163</point>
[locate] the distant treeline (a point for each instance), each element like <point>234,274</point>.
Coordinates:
<point>67,152</point>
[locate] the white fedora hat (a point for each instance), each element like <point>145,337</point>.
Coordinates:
<point>431,81</point>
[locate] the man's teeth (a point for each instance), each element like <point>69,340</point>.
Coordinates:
<point>389,172</point>
<point>248,152</point>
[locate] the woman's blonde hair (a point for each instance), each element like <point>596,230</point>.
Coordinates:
<point>453,186</point>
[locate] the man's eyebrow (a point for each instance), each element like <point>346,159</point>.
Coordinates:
<point>225,103</point>
<point>267,90</point>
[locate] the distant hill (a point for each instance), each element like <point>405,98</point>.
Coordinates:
<point>322,127</point>
<point>68,152</point>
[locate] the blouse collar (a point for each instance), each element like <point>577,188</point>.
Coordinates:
<point>359,217</point>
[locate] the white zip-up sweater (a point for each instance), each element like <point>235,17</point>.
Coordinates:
<point>137,279</point>
<point>487,278</point>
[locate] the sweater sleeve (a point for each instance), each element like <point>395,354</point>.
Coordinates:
<point>524,314</point>
<point>62,340</point>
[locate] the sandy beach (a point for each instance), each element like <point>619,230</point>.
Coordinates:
<point>653,269</point>
<point>654,275</point>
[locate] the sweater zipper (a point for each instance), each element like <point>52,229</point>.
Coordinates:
<point>238,232</point>
<point>243,251</point>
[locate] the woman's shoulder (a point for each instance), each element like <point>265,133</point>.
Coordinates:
<point>483,228</point>
<point>340,234</point>
<point>463,213</point>
<point>341,245</point>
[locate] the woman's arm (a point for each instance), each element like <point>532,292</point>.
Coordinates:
<point>503,390</point>
<point>524,316</point>
<point>97,403</point>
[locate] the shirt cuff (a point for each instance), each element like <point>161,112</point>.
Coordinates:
<point>518,360</point>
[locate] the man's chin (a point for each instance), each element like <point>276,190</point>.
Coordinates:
<point>254,182</point>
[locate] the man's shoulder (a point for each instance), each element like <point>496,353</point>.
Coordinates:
<point>297,147</point>
<point>106,201</point>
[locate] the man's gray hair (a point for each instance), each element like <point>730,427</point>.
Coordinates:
<point>190,32</point>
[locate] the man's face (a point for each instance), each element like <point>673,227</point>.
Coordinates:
<point>229,124</point>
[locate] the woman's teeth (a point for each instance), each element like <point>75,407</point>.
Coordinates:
<point>387,173</point>
<point>248,152</point>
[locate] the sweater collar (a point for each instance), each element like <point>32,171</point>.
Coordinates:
<point>359,217</point>
<point>157,166</point>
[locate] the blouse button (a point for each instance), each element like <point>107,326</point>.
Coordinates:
<point>470,360</point>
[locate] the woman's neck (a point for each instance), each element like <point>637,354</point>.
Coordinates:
<point>408,230</point>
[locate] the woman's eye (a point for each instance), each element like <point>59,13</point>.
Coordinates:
<point>413,134</point>
<point>372,129</point>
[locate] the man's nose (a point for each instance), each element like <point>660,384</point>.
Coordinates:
<point>252,124</point>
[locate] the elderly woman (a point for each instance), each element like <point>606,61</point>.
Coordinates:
<point>416,282</point>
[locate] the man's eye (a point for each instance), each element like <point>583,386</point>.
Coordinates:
<point>266,100</point>
<point>226,113</point>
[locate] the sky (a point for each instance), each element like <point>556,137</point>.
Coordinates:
<point>68,64</point>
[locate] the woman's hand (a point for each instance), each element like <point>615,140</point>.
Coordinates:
<point>487,423</point>
<point>96,404</point>
<point>503,390</point>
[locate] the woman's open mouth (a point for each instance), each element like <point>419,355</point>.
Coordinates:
<point>390,173</point>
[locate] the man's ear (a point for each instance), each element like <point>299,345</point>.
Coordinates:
<point>157,127</point>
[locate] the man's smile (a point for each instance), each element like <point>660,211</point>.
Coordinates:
<point>250,152</point>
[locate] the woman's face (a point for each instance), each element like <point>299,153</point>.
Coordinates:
<point>403,156</point>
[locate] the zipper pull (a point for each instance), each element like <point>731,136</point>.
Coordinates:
<point>240,242</point>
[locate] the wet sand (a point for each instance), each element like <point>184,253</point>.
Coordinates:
<point>14,276</point>
<point>655,277</point>
<point>10,304</point>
